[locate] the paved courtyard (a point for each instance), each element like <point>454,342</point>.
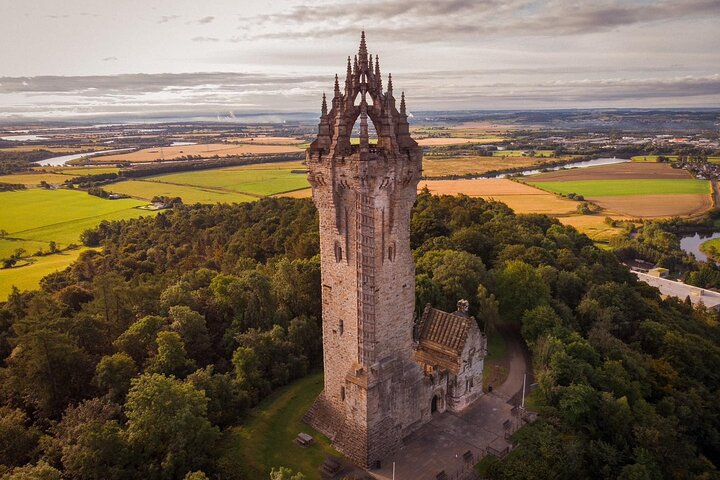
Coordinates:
<point>440,444</point>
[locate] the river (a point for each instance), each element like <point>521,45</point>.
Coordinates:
<point>581,164</point>
<point>691,244</point>
<point>63,159</point>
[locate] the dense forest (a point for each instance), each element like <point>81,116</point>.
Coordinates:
<point>131,363</point>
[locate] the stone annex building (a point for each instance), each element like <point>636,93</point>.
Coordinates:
<point>385,374</point>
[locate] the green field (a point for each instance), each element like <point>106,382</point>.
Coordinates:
<point>28,277</point>
<point>145,189</point>
<point>255,181</point>
<point>600,188</point>
<point>267,437</point>
<point>34,218</point>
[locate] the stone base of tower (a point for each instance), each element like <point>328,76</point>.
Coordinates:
<point>397,400</point>
<point>348,439</point>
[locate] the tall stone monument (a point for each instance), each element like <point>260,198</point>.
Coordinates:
<point>376,392</point>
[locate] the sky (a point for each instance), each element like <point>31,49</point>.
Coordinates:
<point>94,59</point>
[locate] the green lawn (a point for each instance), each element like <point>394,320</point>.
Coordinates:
<point>28,276</point>
<point>256,181</point>
<point>267,437</point>
<point>189,194</point>
<point>600,188</point>
<point>34,218</point>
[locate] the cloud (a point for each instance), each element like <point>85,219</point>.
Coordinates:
<point>205,39</point>
<point>205,20</point>
<point>437,21</point>
<point>168,18</point>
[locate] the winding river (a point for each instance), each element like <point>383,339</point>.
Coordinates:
<point>580,164</point>
<point>64,159</point>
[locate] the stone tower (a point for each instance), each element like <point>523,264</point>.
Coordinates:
<point>364,193</point>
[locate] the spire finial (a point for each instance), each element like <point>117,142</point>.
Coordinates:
<point>363,45</point>
<point>377,73</point>
<point>324,105</point>
<point>337,85</point>
<point>390,83</point>
<point>402,104</point>
<point>348,75</point>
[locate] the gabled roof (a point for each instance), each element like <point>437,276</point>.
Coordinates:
<point>442,338</point>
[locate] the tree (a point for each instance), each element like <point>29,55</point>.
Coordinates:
<point>488,314</point>
<point>283,473</point>
<point>171,358</point>
<point>40,471</point>
<point>199,475</point>
<point>113,374</point>
<point>456,273</point>
<point>167,427</point>
<point>520,288</point>
<point>48,370</point>
<point>191,327</point>
<point>91,443</point>
<point>139,340</point>
<point>541,320</point>
<point>18,441</point>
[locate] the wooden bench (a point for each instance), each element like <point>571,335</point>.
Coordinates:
<point>304,440</point>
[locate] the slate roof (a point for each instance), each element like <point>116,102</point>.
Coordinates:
<point>442,338</point>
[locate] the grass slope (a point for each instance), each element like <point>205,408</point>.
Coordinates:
<point>599,188</point>
<point>28,277</point>
<point>267,437</point>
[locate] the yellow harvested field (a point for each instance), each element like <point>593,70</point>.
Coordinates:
<point>266,140</point>
<point>441,141</point>
<point>203,150</point>
<point>520,197</point>
<point>304,193</point>
<point>33,179</point>
<point>593,226</point>
<point>438,167</point>
<point>655,206</point>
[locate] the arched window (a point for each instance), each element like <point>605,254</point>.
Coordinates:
<point>338,252</point>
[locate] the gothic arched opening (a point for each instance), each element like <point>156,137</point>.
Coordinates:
<point>434,404</point>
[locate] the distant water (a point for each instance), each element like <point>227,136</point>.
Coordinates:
<point>63,159</point>
<point>691,244</point>
<point>182,144</point>
<point>582,164</point>
<point>24,138</point>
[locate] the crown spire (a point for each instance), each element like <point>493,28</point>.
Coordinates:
<point>390,84</point>
<point>362,52</point>
<point>337,85</point>
<point>348,75</point>
<point>402,104</point>
<point>324,105</point>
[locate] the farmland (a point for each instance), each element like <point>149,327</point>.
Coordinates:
<point>632,189</point>
<point>603,188</point>
<point>229,184</point>
<point>201,150</point>
<point>33,179</point>
<point>65,214</point>
<point>519,197</point>
<point>440,166</point>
